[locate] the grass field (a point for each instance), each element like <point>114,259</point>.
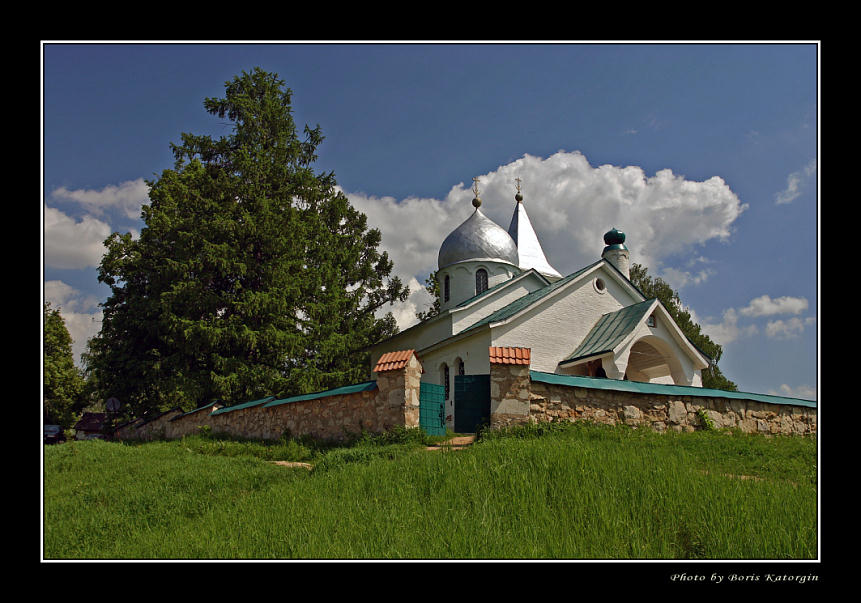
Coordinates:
<point>546,492</point>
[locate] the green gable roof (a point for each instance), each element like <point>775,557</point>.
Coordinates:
<point>498,286</point>
<point>610,330</point>
<point>251,404</point>
<point>191,412</point>
<point>659,388</point>
<point>527,300</point>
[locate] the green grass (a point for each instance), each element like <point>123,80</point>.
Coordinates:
<point>578,492</point>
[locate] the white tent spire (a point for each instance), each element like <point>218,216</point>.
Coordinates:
<point>529,249</point>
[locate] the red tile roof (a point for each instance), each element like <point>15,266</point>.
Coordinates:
<point>393,361</point>
<point>509,355</point>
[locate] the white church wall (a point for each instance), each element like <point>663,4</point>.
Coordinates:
<point>665,340</point>
<point>489,304</point>
<point>415,338</point>
<point>555,326</point>
<point>462,279</point>
<point>472,350</point>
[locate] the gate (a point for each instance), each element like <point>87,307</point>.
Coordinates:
<point>471,402</point>
<point>432,408</point>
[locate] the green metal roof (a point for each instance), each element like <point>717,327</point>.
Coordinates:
<point>347,389</point>
<point>610,330</point>
<point>191,412</point>
<point>251,404</point>
<point>497,286</point>
<point>658,388</point>
<point>527,300</point>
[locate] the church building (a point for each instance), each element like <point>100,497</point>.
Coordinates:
<point>498,290</point>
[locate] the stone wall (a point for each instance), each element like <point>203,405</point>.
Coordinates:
<point>156,428</point>
<point>516,398</point>
<point>391,401</point>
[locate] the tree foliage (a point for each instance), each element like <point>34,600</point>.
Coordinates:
<point>657,287</point>
<point>63,384</point>
<point>432,287</point>
<point>253,275</point>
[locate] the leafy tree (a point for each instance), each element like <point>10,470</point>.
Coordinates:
<point>657,287</point>
<point>432,287</point>
<point>253,276</point>
<point>63,382</point>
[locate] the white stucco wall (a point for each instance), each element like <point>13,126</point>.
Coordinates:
<point>472,350</point>
<point>554,327</point>
<point>665,340</point>
<point>415,338</point>
<point>488,304</point>
<point>462,279</point>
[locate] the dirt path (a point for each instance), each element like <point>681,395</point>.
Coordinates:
<point>456,443</point>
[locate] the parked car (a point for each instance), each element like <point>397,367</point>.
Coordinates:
<point>53,434</point>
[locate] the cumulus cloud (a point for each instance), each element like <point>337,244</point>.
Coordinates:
<point>787,329</point>
<point>571,204</point>
<point>805,392</point>
<point>80,312</point>
<point>794,183</point>
<point>727,330</point>
<point>71,244</point>
<point>765,306</point>
<point>128,197</point>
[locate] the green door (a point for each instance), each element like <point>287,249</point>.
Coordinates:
<point>471,402</point>
<point>432,408</point>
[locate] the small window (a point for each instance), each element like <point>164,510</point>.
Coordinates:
<point>445,380</point>
<point>480,281</point>
<point>651,321</point>
<point>600,285</point>
<point>446,288</point>
<point>461,370</point>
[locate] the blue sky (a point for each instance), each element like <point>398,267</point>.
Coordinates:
<point>705,155</point>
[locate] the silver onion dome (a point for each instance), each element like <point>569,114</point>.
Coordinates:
<point>478,238</point>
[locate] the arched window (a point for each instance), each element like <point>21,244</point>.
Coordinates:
<point>445,380</point>
<point>480,280</point>
<point>446,288</point>
<point>461,370</point>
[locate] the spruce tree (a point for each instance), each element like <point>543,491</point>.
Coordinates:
<point>253,275</point>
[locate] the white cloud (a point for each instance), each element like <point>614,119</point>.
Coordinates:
<point>62,295</point>
<point>128,197</point>
<point>786,329</point>
<point>805,392</point>
<point>71,244</point>
<point>418,301</point>
<point>679,279</point>
<point>571,204</point>
<point>73,306</point>
<point>727,330</point>
<point>765,306</point>
<point>794,183</point>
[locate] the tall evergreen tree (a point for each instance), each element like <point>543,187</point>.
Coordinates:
<point>253,276</point>
<point>63,383</point>
<point>432,287</point>
<point>657,287</point>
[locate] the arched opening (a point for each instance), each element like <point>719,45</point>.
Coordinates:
<point>651,360</point>
<point>446,288</point>
<point>480,280</point>
<point>459,367</point>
